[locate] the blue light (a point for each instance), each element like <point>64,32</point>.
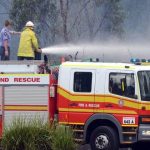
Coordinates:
<point>135,60</point>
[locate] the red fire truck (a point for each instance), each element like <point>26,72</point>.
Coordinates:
<point>106,104</point>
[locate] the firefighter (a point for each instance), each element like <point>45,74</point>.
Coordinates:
<point>5,37</point>
<point>28,43</point>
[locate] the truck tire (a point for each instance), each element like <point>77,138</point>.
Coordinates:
<point>104,138</point>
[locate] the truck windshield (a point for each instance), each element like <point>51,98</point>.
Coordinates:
<point>144,81</point>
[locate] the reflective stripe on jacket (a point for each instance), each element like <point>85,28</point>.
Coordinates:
<point>28,43</point>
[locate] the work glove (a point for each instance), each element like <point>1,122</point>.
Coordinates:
<point>39,50</point>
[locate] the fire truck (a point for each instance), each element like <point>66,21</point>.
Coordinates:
<point>106,104</point>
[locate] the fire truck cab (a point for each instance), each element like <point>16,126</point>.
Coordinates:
<point>107,104</point>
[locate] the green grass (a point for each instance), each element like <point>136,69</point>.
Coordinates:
<point>37,135</point>
<point>23,135</point>
<point>62,139</point>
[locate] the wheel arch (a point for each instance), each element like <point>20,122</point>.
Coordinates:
<point>101,119</point>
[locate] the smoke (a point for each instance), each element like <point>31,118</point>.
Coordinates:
<point>106,52</point>
<point>137,20</point>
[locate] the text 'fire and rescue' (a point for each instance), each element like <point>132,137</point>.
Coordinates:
<point>37,80</point>
<point>24,79</point>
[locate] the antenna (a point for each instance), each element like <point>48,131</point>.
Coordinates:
<point>71,57</point>
<point>83,54</point>
<point>75,58</point>
<point>103,56</point>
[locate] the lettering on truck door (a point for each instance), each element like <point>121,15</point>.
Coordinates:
<point>81,99</point>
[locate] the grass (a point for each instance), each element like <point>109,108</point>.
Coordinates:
<point>62,139</point>
<point>37,135</point>
<point>23,135</point>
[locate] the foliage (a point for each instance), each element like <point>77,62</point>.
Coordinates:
<point>37,135</point>
<point>42,13</point>
<point>23,135</point>
<point>62,139</point>
<point>115,18</point>
<point>70,20</point>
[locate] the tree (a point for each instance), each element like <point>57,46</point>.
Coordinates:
<point>64,8</point>
<point>70,20</point>
<point>106,18</point>
<point>115,18</point>
<point>96,19</point>
<point>5,4</point>
<point>42,13</point>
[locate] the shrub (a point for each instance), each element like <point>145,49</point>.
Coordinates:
<point>37,135</point>
<point>62,139</point>
<point>23,135</point>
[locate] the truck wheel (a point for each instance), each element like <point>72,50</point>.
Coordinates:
<point>104,138</point>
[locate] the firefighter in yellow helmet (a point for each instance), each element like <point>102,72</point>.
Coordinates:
<point>28,43</point>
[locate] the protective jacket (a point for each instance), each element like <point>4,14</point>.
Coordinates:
<point>28,43</point>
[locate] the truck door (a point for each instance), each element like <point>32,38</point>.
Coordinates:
<point>81,99</point>
<point>121,96</point>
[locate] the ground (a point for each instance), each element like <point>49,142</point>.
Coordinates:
<point>87,147</point>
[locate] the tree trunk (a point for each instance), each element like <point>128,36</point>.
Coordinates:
<point>64,7</point>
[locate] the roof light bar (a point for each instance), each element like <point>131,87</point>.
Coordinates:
<point>138,61</point>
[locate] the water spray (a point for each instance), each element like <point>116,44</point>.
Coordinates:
<point>114,52</point>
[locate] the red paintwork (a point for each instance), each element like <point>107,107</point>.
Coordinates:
<point>52,100</point>
<point>81,116</point>
<point>1,126</point>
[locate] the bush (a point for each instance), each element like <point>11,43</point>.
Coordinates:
<point>37,135</point>
<point>62,139</point>
<point>22,135</point>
